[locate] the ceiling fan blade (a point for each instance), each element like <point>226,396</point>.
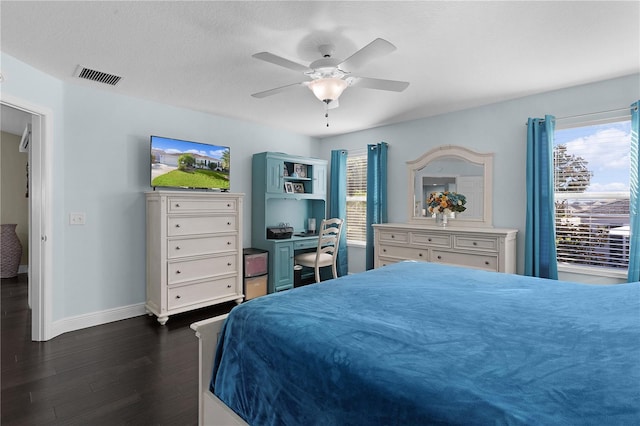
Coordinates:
<point>376,48</point>
<point>276,90</point>
<point>379,84</point>
<point>278,60</point>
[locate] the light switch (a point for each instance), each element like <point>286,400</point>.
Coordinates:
<point>77,218</point>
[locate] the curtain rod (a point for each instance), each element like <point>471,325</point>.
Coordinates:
<point>591,113</point>
<point>596,113</point>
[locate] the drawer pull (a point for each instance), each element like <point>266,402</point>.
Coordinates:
<point>419,254</point>
<point>177,205</point>
<point>228,243</point>
<point>486,262</point>
<point>178,271</point>
<point>393,236</point>
<point>228,285</point>
<point>228,205</point>
<point>228,263</point>
<point>429,239</point>
<point>229,223</point>
<point>475,243</point>
<point>177,247</point>
<point>439,257</point>
<point>177,225</point>
<point>177,296</point>
<point>384,250</point>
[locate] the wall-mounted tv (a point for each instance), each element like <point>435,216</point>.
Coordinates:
<point>183,164</point>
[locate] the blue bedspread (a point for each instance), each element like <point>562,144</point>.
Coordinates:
<point>418,343</point>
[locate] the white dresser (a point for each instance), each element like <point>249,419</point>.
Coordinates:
<point>194,251</point>
<point>491,249</point>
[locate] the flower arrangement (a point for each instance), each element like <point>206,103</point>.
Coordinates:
<point>446,202</point>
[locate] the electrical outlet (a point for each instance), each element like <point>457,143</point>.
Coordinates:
<point>77,218</point>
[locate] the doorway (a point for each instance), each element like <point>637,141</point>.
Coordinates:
<point>39,268</point>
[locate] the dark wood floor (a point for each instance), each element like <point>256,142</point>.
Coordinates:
<point>130,372</point>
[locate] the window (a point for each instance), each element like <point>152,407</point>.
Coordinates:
<point>357,197</point>
<point>591,180</point>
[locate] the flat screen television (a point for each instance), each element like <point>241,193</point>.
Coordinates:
<point>183,164</point>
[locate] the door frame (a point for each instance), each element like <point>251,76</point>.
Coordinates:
<point>40,215</point>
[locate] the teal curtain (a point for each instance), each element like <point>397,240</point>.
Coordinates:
<point>540,245</point>
<point>338,204</point>
<point>634,200</point>
<point>376,193</point>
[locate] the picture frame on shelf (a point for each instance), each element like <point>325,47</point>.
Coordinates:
<point>288,187</point>
<point>300,170</point>
<point>298,188</point>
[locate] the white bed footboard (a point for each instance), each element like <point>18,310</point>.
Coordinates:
<point>211,411</point>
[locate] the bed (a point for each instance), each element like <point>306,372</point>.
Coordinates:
<point>422,343</point>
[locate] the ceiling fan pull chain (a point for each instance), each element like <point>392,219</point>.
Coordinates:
<point>326,114</point>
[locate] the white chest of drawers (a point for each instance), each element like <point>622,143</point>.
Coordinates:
<point>194,251</point>
<point>491,249</point>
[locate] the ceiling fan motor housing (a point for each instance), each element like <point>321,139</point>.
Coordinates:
<point>325,68</point>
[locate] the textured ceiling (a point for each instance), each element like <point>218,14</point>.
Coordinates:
<point>197,55</point>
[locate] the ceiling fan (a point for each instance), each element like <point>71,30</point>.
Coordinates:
<point>329,76</point>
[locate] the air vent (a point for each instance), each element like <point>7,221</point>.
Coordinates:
<point>99,76</point>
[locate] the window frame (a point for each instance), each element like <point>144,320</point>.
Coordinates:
<point>601,271</point>
<point>357,153</point>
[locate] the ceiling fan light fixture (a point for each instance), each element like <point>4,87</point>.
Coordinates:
<point>328,89</point>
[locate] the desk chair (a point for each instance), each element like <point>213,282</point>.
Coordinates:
<point>327,251</point>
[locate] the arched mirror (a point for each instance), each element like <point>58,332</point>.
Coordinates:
<point>455,169</point>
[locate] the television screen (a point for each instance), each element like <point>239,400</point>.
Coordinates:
<point>182,164</point>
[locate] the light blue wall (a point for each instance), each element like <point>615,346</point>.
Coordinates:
<point>107,172</point>
<point>499,128</point>
<point>101,167</point>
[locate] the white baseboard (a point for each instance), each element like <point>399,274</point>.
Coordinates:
<point>96,318</point>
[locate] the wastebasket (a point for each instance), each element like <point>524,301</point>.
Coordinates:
<point>297,275</point>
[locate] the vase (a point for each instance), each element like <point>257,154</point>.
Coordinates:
<point>442,219</point>
<point>11,251</point>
